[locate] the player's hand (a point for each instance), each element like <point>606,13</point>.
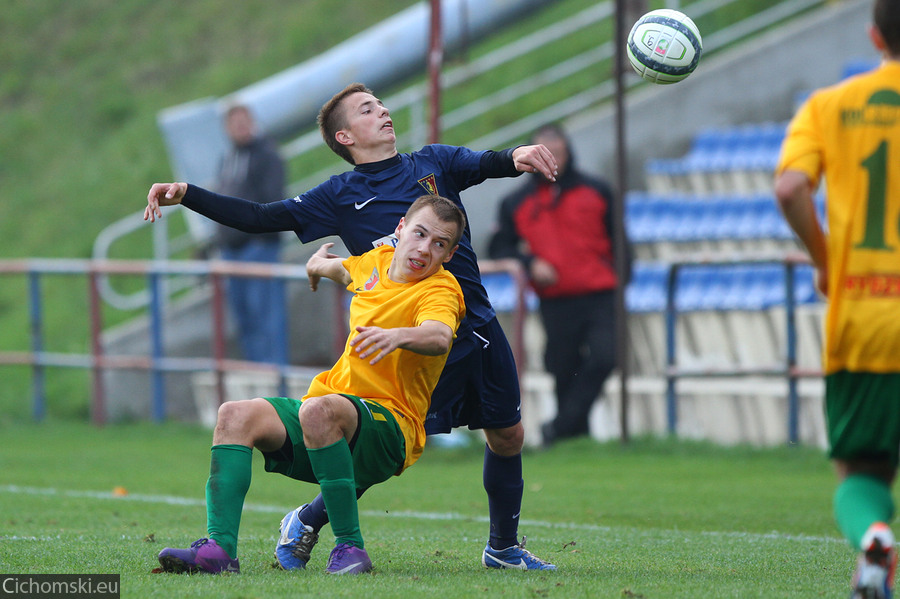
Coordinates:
<point>315,264</point>
<point>375,340</point>
<point>536,159</point>
<point>163,194</point>
<point>542,273</point>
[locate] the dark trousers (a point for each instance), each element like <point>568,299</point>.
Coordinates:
<point>258,305</point>
<point>580,355</point>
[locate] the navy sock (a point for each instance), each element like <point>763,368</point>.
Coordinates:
<point>315,514</point>
<point>503,483</point>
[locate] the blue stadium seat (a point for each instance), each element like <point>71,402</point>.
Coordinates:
<point>639,217</point>
<point>501,290</point>
<point>804,285</point>
<point>694,283</point>
<point>857,66</point>
<point>647,290</point>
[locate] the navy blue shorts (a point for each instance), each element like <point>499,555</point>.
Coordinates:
<point>479,386</point>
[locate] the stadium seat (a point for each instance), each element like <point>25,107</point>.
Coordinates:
<point>502,291</point>
<point>647,290</point>
<point>857,66</point>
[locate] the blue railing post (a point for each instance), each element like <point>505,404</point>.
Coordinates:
<point>671,318</point>
<point>790,304</point>
<point>283,340</point>
<point>39,407</point>
<point>156,348</point>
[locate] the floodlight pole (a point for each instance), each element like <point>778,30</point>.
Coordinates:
<point>621,252</point>
<point>435,62</point>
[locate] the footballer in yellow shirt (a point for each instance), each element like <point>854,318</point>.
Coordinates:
<point>362,421</point>
<point>849,135</point>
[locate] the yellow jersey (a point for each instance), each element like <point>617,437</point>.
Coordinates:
<point>850,134</point>
<point>403,380</point>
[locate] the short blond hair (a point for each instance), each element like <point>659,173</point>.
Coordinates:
<point>446,211</point>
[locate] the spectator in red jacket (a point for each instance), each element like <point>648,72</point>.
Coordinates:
<point>562,232</point>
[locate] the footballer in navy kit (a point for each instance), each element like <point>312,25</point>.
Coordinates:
<point>479,384</point>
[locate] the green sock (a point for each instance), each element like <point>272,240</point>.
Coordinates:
<point>333,467</point>
<point>229,480</point>
<point>859,502</point>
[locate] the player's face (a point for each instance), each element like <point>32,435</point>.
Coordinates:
<point>368,121</point>
<point>240,127</point>
<point>423,245</point>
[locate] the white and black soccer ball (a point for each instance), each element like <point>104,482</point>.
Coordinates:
<point>664,46</point>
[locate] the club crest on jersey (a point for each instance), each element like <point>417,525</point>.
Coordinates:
<point>390,240</point>
<point>373,280</point>
<point>429,182</point>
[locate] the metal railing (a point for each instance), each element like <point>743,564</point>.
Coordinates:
<point>156,363</point>
<point>788,369</point>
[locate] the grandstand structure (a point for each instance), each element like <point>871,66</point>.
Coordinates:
<point>700,158</point>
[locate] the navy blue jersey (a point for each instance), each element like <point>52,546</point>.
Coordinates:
<point>479,386</point>
<point>364,205</point>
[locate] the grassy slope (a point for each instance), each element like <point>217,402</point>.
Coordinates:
<point>82,84</point>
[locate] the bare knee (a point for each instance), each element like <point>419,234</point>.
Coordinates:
<point>506,441</point>
<point>250,422</point>
<point>327,419</point>
<point>231,420</point>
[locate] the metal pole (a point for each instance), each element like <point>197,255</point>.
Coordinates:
<point>39,408</point>
<point>671,326</point>
<point>618,213</point>
<point>218,314</point>
<point>284,333</point>
<point>790,306</point>
<point>99,402</point>
<point>435,62</point>
<point>156,348</point>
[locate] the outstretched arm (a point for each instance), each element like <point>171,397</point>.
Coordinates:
<point>325,264</point>
<point>237,213</point>
<point>431,338</point>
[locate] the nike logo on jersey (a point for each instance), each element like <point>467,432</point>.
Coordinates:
<point>361,205</point>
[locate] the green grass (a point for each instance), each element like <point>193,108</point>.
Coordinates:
<point>656,519</point>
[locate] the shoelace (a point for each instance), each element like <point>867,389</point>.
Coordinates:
<point>339,552</point>
<point>303,546</point>
<point>530,554</point>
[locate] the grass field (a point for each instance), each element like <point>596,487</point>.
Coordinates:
<point>656,519</point>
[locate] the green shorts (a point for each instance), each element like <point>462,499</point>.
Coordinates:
<point>378,447</point>
<point>862,410</point>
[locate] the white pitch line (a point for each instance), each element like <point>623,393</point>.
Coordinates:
<point>448,516</point>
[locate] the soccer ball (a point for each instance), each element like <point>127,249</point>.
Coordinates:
<point>664,46</point>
